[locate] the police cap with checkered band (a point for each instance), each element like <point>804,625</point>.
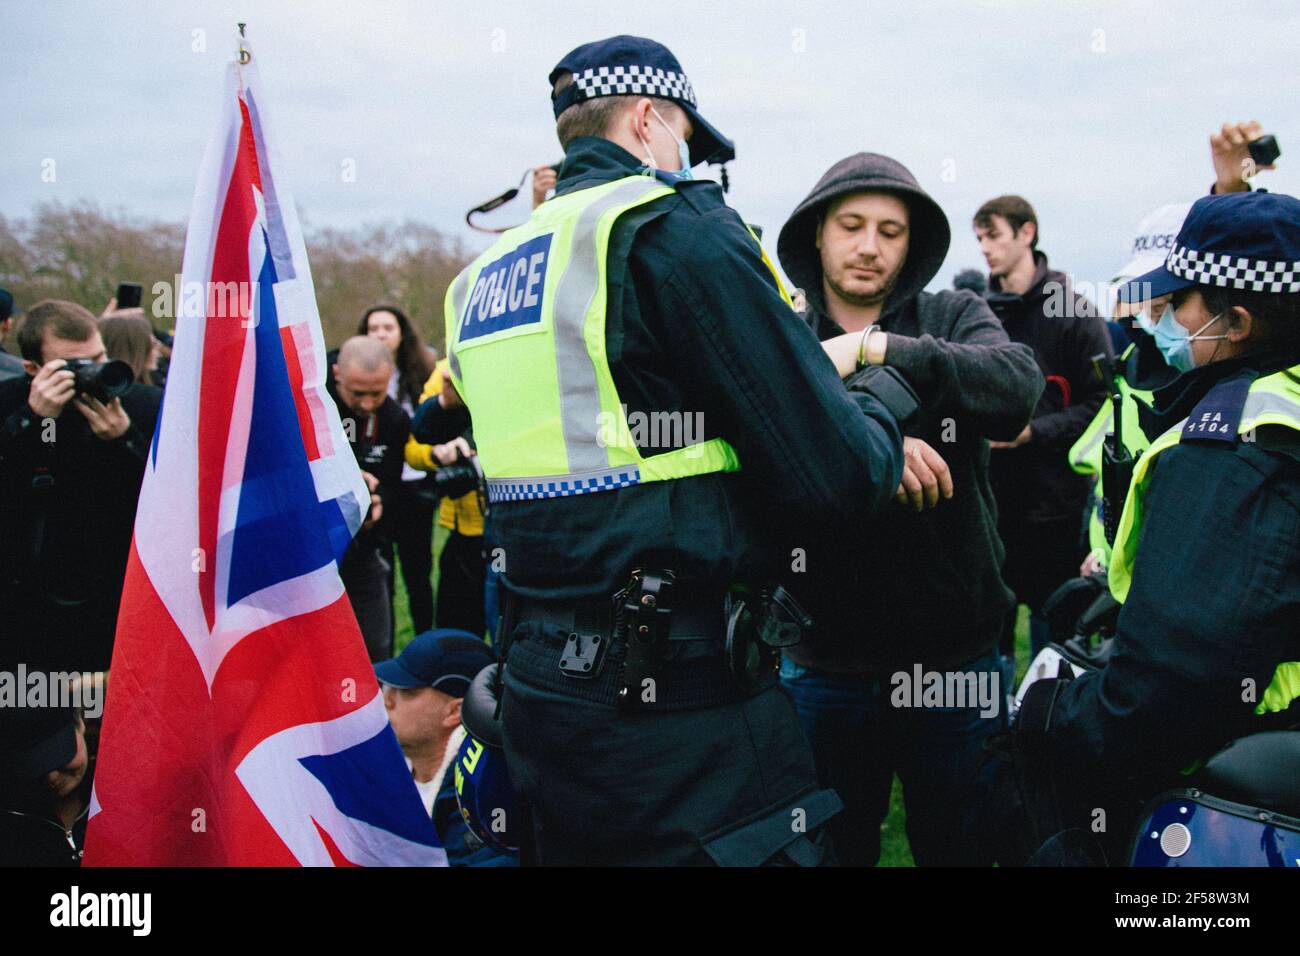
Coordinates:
<point>1245,241</point>
<point>635,66</point>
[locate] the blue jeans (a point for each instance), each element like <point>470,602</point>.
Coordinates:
<point>860,739</point>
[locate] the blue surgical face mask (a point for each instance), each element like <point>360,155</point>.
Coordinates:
<point>1174,342</point>
<point>683,154</point>
<point>1143,322</point>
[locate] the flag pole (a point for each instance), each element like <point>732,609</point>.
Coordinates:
<point>244,53</point>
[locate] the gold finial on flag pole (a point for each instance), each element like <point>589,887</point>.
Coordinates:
<point>244,54</point>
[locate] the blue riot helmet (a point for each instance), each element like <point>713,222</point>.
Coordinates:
<point>483,788</point>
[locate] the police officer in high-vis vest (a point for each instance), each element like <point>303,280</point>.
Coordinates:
<point>1207,556</point>
<point>652,419</point>
<point>1138,369</point>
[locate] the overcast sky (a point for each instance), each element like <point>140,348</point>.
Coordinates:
<point>1095,111</point>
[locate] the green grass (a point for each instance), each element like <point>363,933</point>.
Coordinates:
<point>401,609</point>
<point>893,835</point>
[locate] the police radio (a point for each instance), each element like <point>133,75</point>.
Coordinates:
<point>1116,461</point>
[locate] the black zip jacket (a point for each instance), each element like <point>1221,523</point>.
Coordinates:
<point>379,444</point>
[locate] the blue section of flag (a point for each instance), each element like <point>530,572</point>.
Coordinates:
<point>281,530</point>
<point>363,780</point>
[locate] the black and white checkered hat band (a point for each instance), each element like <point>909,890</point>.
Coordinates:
<point>643,80</point>
<point>1236,272</point>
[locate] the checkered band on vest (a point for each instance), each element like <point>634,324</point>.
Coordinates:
<point>626,80</point>
<point>514,489</point>
<point>1237,272</point>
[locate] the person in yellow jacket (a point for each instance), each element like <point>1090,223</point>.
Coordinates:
<point>462,566</point>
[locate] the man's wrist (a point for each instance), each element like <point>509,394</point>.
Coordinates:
<point>877,344</point>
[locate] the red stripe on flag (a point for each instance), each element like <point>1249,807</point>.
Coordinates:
<point>223,348</point>
<point>305,424</point>
<point>331,847</point>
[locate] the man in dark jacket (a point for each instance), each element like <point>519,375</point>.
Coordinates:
<point>918,584</point>
<point>70,473</point>
<point>1041,499</point>
<point>377,428</point>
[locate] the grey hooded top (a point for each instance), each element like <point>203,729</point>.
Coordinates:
<point>906,587</point>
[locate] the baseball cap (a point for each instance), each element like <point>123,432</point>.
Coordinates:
<point>1246,241</point>
<point>445,659</point>
<point>6,304</point>
<point>634,66</point>
<point>1150,244</point>
<point>35,741</point>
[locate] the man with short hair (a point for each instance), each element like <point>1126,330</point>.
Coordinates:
<point>377,428</point>
<point>424,688</point>
<point>919,582</point>
<point>1041,500</point>
<point>637,729</point>
<point>70,473</point>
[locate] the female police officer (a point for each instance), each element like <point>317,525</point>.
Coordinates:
<point>1207,555</point>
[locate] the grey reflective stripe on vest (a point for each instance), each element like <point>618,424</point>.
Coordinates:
<point>1259,403</point>
<point>1084,453</point>
<point>457,309</point>
<point>575,371</point>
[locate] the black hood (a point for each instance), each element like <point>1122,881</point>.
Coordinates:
<point>928,231</point>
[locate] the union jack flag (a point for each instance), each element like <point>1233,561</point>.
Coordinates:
<point>244,725</point>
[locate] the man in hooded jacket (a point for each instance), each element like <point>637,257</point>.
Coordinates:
<point>916,590</point>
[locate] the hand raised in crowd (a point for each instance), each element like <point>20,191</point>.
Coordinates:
<point>452,450</point>
<point>1025,434</point>
<point>1232,162</point>
<point>106,421</point>
<point>926,476</point>
<point>376,503</point>
<point>544,179</point>
<point>52,388</point>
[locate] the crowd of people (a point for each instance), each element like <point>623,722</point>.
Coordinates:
<point>885,476</point>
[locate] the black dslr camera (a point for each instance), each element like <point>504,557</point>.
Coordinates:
<point>460,477</point>
<point>104,380</point>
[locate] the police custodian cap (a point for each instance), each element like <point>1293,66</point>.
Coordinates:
<point>632,66</point>
<point>1246,241</point>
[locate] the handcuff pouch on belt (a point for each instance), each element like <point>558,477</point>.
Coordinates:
<point>755,636</point>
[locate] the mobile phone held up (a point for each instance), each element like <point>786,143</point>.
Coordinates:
<point>128,295</point>
<point>1264,151</point>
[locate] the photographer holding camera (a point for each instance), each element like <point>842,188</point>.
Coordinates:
<point>74,438</point>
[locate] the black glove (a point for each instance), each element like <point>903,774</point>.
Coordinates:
<point>480,713</point>
<point>887,386</point>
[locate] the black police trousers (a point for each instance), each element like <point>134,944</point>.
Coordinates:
<point>731,783</point>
